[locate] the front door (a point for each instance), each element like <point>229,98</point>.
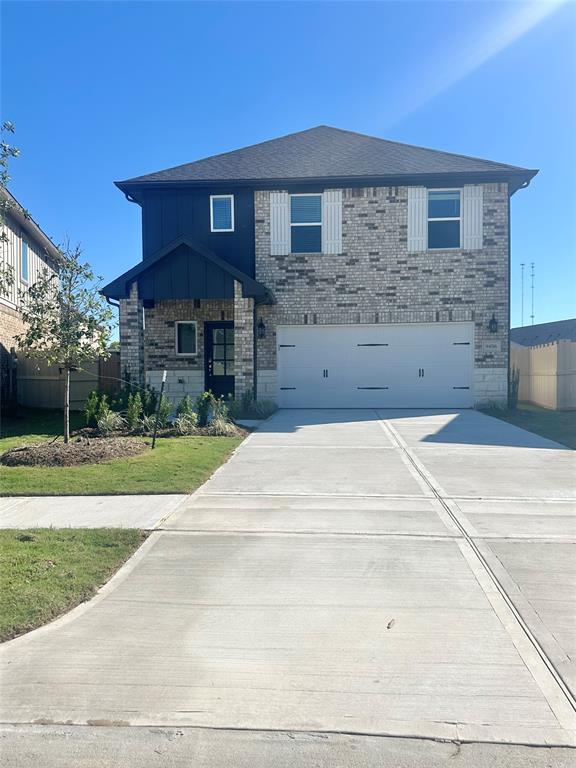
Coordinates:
<point>219,357</point>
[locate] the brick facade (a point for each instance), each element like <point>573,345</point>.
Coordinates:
<point>10,326</point>
<point>376,280</point>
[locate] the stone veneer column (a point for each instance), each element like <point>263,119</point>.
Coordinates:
<point>132,337</point>
<point>243,341</point>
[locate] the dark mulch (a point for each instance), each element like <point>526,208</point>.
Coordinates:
<point>80,450</point>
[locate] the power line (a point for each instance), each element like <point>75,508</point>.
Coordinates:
<point>532,286</point>
<point>522,265</point>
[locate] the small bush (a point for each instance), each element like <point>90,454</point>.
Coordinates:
<point>164,411</point>
<point>186,424</point>
<point>91,409</point>
<point>185,407</point>
<point>248,408</point>
<point>103,408</point>
<point>149,400</point>
<point>134,410</point>
<point>110,421</point>
<point>147,423</point>
<point>221,427</point>
<point>262,409</point>
<point>205,406</point>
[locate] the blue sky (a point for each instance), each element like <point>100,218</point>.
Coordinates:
<point>100,91</point>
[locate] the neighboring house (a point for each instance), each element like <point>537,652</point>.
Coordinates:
<point>323,269</point>
<point>28,250</point>
<point>545,357</point>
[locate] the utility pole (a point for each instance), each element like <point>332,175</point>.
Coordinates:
<point>532,276</point>
<point>522,265</point>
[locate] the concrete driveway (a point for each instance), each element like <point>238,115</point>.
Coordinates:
<point>403,573</point>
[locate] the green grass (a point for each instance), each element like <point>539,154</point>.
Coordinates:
<point>32,425</point>
<point>177,465</point>
<point>46,572</point>
<point>555,425</point>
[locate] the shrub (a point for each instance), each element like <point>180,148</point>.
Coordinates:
<point>147,423</point>
<point>149,400</point>
<point>110,421</point>
<point>222,427</point>
<point>205,406</point>
<point>91,409</point>
<point>164,411</point>
<point>262,409</point>
<point>185,407</point>
<point>134,410</point>
<point>248,408</point>
<point>513,387</point>
<point>103,407</point>
<point>186,424</point>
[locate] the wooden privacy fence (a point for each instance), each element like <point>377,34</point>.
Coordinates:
<point>547,374</point>
<point>42,386</point>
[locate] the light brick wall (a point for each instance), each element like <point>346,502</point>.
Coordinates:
<point>10,325</point>
<point>132,337</point>
<point>376,280</point>
<point>243,342</point>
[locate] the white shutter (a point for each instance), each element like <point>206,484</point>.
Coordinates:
<point>279,223</point>
<point>472,217</point>
<point>332,221</point>
<point>417,218</point>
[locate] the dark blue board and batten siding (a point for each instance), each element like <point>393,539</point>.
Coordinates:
<point>169,215</point>
<point>184,274</point>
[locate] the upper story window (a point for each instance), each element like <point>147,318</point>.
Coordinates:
<point>186,337</point>
<point>222,213</point>
<point>24,261</point>
<point>443,218</point>
<point>306,223</point>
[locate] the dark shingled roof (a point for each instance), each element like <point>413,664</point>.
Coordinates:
<point>325,152</point>
<point>544,333</point>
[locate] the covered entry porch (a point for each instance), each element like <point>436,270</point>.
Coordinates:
<point>186,311</point>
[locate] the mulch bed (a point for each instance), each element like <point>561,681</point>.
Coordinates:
<point>79,450</point>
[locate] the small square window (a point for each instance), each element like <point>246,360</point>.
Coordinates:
<point>24,262</point>
<point>222,213</point>
<point>306,223</point>
<point>186,338</point>
<point>443,219</point>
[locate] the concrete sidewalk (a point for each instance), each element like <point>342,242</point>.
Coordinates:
<point>87,511</point>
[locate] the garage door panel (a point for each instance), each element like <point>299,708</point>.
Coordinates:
<point>410,366</point>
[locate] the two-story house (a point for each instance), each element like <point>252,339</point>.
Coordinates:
<point>27,251</point>
<point>323,269</point>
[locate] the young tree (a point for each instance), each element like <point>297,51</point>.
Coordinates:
<point>67,320</point>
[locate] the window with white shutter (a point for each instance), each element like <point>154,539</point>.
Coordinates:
<point>279,223</point>
<point>472,217</point>
<point>417,218</point>
<point>332,221</point>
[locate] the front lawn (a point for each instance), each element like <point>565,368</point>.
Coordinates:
<point>177,465</point>
<point>555,425</point>
<point>46,572</point>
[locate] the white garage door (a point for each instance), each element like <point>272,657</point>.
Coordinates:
<point>372,366</point>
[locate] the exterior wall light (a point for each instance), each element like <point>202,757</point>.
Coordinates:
<point>261,329</point>
<point>493,324</point>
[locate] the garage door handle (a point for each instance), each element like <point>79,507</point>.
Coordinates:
<point>325,373</point>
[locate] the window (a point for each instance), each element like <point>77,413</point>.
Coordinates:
<point>186,338</point>
<point>306,223</point>
<point>443,219</point>
<point>24,261</point>
<point>222,213</point>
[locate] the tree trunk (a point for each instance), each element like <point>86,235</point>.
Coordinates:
<point>67,405</point>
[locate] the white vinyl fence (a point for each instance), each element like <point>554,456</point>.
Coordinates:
<point>547,374</point>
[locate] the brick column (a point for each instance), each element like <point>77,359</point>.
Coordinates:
<point>243,341</point>
<point>132,337</point>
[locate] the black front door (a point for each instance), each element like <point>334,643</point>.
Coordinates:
<point>219,357</point>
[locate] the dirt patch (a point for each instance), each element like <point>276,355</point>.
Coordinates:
<point>80,450</point>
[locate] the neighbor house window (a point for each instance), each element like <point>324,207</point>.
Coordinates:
<point>443,218</point>
<point>306,223</point>
<point>186,338</point>
<point>24,261</point>
<point>222,213</point>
